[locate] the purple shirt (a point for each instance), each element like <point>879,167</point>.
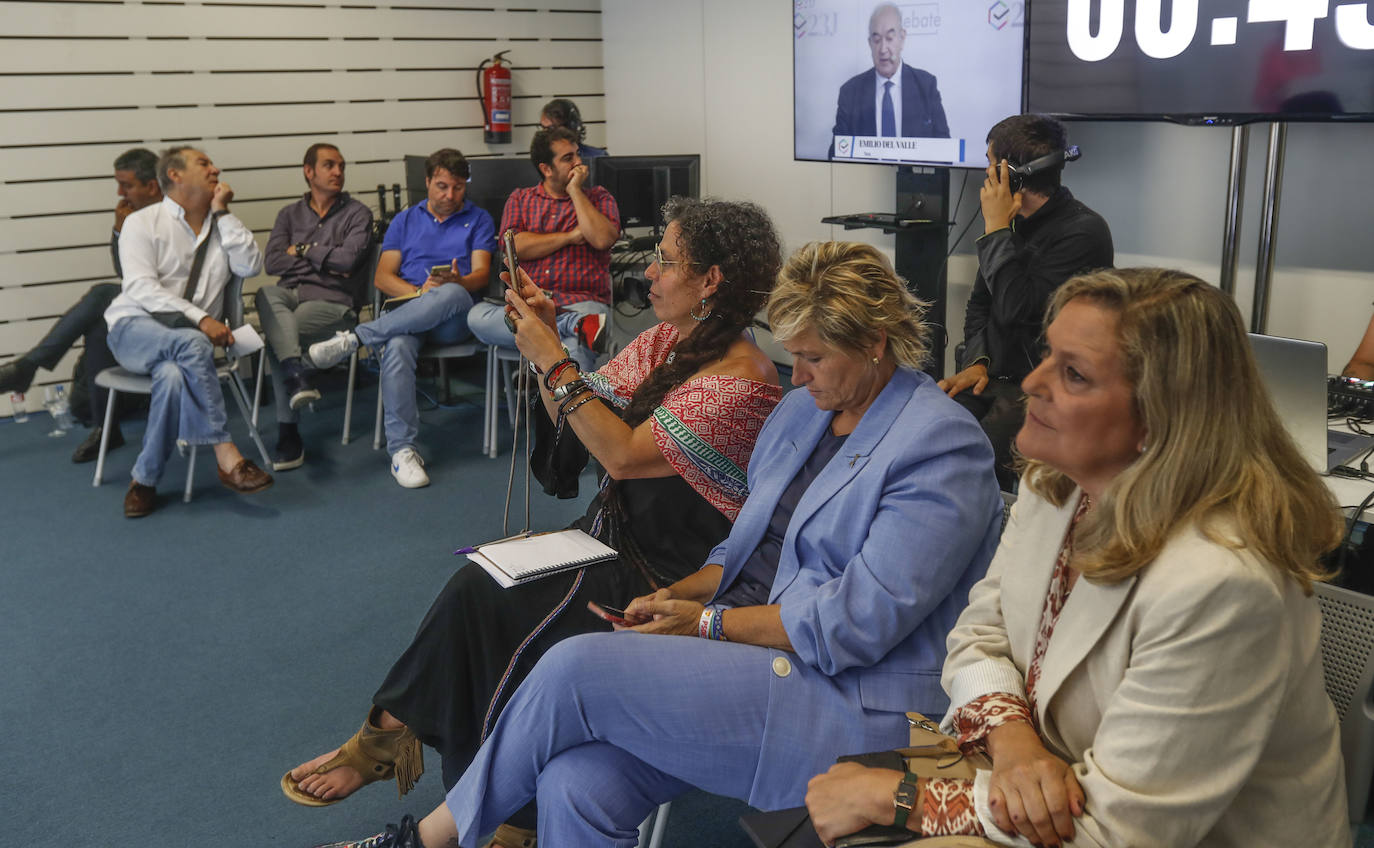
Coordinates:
<point>333,267</point>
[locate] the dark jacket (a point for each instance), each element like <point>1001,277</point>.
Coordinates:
<point>923,113</point>
<point>1018,269</point>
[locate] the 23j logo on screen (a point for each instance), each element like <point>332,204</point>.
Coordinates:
<point>1160,39</point>
<point>1003,14</point>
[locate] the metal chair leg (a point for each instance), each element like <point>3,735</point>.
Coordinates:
<point>377,428</point>
<point>190,474</point>
<point>104,437</point>
<point>240,394</point>
<point>348,397</point>
<point>257,386</point>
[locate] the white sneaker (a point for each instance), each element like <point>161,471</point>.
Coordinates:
<point>332,351</point>
<point>409,469</point>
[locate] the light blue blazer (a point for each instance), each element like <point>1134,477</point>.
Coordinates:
<point>874,569</point>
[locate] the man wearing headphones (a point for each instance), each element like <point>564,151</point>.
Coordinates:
<point>1036,236</point>
<point>562,112</point>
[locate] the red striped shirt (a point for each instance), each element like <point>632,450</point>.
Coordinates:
<point>578,272</point>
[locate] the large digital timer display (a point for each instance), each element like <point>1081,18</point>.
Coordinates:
<point>1202,60</point>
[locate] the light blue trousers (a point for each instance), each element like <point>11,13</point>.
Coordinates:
<point>609,725</point>
<point>488,323</point>
<point>438,316</point>
<point>187,401</point>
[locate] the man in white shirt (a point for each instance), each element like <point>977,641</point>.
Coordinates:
<point>161,326</point>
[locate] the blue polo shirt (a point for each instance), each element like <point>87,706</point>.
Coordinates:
<point>425,242</point>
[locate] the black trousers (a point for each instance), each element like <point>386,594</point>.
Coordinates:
<point>85,319</point>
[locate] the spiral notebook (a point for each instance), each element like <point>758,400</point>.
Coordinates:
<point>511,562</point>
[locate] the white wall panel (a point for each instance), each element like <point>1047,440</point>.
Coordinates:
<point>254,83</point>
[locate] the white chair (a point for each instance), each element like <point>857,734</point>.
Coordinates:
<point>501,362</point>
<point>1348,661</point>
<point>121,380</point>
<point>652,829</point>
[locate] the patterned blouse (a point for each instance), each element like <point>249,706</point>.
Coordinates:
<point>947,805</point>
<point>705,428</point>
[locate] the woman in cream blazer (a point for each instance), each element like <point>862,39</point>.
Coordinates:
<point>1141,662</point>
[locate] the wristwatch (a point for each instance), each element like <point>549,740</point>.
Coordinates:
<point>301,248</point>
<point>904,799</point>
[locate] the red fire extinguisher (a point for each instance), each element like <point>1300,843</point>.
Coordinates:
<point>493,89</point>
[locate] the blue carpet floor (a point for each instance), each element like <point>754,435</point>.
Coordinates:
<point>160,674</point>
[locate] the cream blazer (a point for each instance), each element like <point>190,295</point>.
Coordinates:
<point>1189,698</point>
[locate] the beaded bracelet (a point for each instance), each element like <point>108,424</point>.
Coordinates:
<point>718,626</point>
<point>566,403</point>
<point>582,401</point>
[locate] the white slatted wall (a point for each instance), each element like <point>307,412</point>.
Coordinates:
<point>254,83</point>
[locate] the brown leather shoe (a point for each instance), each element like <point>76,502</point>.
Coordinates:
<point>246,478</point>
<point>139,500</point>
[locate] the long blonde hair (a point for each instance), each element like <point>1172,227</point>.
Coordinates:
<point>848,293</point>
<point>1216,455</point>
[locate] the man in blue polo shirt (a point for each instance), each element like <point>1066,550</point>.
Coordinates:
<point>443,230</point>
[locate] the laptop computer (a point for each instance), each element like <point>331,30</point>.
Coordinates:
<point>1294,370</point>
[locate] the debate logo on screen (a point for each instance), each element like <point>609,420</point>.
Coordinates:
<point>844,145</point>
<point>920,18</point>
<point>999,15</point>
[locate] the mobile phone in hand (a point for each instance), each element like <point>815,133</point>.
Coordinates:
<point>512,263</point>
<point>610,613</point>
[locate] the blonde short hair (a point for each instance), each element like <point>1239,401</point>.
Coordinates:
<point>848,293</point>
<point>1217,456</point>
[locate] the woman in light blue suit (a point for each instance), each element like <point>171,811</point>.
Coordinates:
<point>815,625</point>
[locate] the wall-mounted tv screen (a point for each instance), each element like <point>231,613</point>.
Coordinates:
<point>1218,62</point>
<point>906,82</point>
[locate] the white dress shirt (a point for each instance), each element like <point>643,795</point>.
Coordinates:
<point>896,81</point>
<point>156,249</point>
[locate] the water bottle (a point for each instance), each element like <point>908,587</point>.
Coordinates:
<point>21,409</point>
<point>64,410</point>
<point>55,401</point>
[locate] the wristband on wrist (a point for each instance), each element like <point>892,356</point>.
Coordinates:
<point>905,798</point>
<point>568,401</point>
<point>582,400</point>
<point>551,376</point>
<point>568,389</point>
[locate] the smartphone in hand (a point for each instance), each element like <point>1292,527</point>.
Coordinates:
<point>610,613</point>
<point>512,263</point>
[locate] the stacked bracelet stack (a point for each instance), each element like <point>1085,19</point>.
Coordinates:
<point>551,376</point>
<point>712,625</point>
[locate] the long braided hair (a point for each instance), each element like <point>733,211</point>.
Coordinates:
<point>739,239</point>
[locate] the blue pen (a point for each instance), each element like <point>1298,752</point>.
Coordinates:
<point>523,534</point>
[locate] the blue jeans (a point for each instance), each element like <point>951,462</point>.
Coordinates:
<point>187,402</point>
<point>438,316</point>
<point>488,323</point>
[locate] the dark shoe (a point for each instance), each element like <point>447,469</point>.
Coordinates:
<point>139,500</point>
<point>301,392</point>
<point>246,478</point>
<point>404,835</point>
<point>591,331</point>
<point>89,450</point>
<point>290,452</point>
<point>16,376</point>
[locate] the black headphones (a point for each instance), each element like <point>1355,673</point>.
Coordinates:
<point>569,109</point>
<point>1016,174</point>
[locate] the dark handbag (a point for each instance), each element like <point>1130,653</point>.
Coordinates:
<point>931,754</point>
<point>558,456</point>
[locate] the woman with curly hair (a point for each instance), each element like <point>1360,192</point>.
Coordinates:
<point>819,620</point>
<point>672,419</point>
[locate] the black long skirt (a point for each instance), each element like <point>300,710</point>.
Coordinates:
<point>462,666</point>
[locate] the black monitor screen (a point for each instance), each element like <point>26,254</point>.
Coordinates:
<point>642,184</point>
<point>1223,61</point>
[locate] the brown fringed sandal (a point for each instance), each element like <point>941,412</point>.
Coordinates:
<point>510,836</point>
<point>375,754</point>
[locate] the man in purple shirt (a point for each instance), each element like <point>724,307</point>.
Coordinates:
<point>318,248</point>
<point>435,257</point>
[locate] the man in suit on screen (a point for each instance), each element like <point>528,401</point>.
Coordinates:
<point>893,99</point>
